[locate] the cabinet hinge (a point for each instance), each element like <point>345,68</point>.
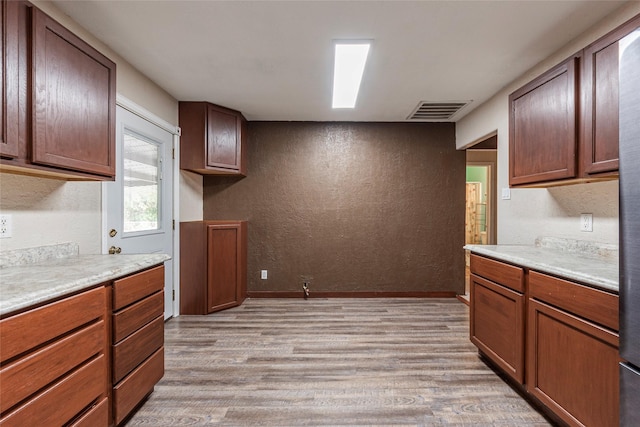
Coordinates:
<point>173,224</point>
<point>173,153</point>
<point>173,294</point>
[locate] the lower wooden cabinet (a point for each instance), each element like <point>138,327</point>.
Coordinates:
<point>213,265</point>
<point>497,325</point>
<point>572,352</point>
<point>87,360</point>
<point>52,354</point>
<point>137,355</point>
<point>497,313</point>
<point>556,338</point>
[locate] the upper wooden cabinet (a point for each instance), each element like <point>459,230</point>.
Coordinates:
<point>10,84</point>
<point>212,141</point>
<point>563,126</point>
<point>542,127</point>
<point>599,137</point>
<point>64,123</point>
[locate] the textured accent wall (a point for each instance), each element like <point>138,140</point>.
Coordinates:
<point>349,206</point>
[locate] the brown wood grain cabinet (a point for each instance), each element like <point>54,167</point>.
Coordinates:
<point>52,354</point>
<point>61,121</point>
<point>542,127</point>
<point>497,315</point>
<point>599,82</point>
<point>563,125</point>
<point>212,140</point>
<point>213,265</point>
<point>10,84</point>
<point>87,360</point>
<point>572,351</point>
<point>137,339</point>
<point>556,338</point>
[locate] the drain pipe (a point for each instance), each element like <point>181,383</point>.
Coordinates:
<point>305,288</point>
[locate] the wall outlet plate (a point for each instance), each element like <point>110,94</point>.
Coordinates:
<point>264,274</point>
<point>586,222</point>
<point>5,226</point>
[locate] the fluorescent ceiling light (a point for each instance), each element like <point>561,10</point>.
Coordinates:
<point>350,58</point>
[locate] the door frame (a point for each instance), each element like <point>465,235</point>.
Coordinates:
<point>145,114</point>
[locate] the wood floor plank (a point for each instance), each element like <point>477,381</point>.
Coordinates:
<point>330,362</point>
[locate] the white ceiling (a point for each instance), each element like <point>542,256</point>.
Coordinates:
<point>272,60</point>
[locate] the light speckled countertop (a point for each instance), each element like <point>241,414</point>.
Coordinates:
<point>584,267</point>
<point>32,283</point>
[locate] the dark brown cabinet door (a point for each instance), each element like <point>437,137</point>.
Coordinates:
<point>572,366</point>
<point>222,266</point>
<point>599,139</point>
<point>497,325</point>
<point>223,136</point>
<point>213,265</point>
<point>10,84</point>
<point>74,101</point>
<point>542,127</point>
<point>212,141</point>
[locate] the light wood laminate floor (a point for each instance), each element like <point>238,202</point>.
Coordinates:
<point>290,362</point>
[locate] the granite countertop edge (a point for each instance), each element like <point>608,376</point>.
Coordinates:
<point>23,286</point>
<point>594,271</point>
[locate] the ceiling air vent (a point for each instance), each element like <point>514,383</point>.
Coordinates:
<point>429,111</point>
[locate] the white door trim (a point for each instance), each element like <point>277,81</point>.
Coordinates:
<point>147,115</point>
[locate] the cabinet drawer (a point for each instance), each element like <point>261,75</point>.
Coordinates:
<point>593,304</point>
<point>64,400</point>
<point>137,286</point>
<point>507,275</point>
<point>29,374</point>
<point>96,416</point>
<point>131,351</point>
<point>137,315</point>
<point>25,331</point>
<point>497,325</point>
<point>137,385</point>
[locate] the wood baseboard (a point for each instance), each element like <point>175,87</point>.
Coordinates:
<point>352,294</point>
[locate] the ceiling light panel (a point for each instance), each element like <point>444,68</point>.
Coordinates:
<point>350,59</point>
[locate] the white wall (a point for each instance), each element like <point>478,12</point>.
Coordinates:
<point>46,211</point>
<point>554,211</point>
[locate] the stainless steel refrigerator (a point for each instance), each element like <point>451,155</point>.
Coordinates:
<point>629,49</point>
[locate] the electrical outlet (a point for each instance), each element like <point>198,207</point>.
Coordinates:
<point>264,274</point>
<point>5,226</point>
<point>506,193</point>
<point>586,222</point>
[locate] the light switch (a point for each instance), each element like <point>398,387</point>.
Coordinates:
<point>506,193</point>
<point>263,274</point>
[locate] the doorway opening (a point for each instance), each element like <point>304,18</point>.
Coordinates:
<point>481,201</point>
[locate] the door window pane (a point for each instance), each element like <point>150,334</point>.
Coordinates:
<point>141,183</point>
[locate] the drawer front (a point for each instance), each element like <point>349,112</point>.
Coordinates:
<point>593,304</point>
<point>27,330</point>
<point>131,351</point>
<point>27,375</point>
<point>134,317</point>
<point>64,400</point>
<point>137,286</point>
<point>497,325</point>
<point>504,274</point>
<point>95,417</point>
<point>128,394</point>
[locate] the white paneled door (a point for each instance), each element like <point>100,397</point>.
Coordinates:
<point>139,212</point>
